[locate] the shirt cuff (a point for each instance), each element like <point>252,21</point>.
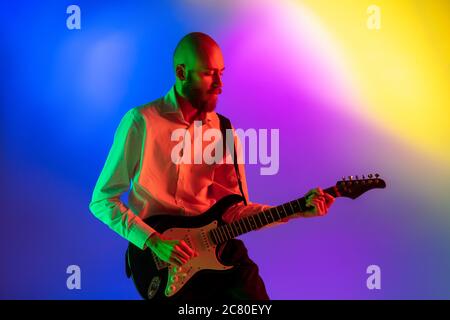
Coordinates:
<point>139,234</point>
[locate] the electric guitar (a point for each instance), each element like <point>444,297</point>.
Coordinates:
<point>159,280</point>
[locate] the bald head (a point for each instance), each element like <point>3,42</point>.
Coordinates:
<point>198,65</point>
<point>197,50</point>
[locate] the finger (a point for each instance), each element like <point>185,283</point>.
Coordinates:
<point>314,197</point>
<point>324,208</point>
<point>310,206</point>
<point>320,198</point>
<point>320,206</point>
<point>315,193</point>
<point>328,196</point>
<point>179,251</point>
<point>187,249</point>
<point>317,206</point>
<point>175,261</point>
<point>319,191</point>
<point>311,193</point>
<point>180,259</point>
<point>329,199</point>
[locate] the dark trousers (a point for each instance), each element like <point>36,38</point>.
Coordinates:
<point>242,282</point>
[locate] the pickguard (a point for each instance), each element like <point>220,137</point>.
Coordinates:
<point>198,240</point>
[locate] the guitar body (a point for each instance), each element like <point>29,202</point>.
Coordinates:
<point>157,280</point>
<point>207,234</point>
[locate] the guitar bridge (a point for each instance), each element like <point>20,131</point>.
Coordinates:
<point>205,240</point>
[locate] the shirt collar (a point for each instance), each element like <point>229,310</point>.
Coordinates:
<point>170,105</point>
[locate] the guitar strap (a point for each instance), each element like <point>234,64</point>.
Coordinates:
<point>224,125</point>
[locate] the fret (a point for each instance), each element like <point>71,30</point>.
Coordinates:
<point>239,226</point>
<point>300,205</point>
<point>221,233</point>
<point>256,221</point>
<point>247,224</point>
<point>277,208</point>
<point>257,226</point>
<point>279,217</point>
<point>295,206</point>
<point>227,228</point>
<point>216,231</point>
<point>250,227</point>
<point>235,233</point>
<point>241,223</point>
<point>253,219</point>
<point>292,208</point>
<point>265,218</point>
<point>236,228</point>
<point>252,222</point>
<point>283,212</point>
<point>286,211</point>
<point>227,233</point>
<point>219,237</point>
<point>230,230</point>
<point>260,220</point>
<point>212,236</point>
<point>269,215</point>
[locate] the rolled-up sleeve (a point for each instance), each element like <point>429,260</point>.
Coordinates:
<point>121,165</point>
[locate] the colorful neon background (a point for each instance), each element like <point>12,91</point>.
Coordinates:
<point>347,100</point>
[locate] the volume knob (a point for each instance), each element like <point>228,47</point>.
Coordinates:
<point>171,289</point>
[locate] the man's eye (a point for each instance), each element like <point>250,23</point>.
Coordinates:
<point>212,73</point>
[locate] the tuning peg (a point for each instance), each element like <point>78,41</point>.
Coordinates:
<point>356,177</point>
<point>370,176</point>
<point>350,178</point>
<point>363,177</point>
<point>343,178</point>
<point>376,175</point>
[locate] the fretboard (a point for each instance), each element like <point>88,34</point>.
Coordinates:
<point>261,219</point>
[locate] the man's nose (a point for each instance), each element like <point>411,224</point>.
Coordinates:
<point>217,81</point>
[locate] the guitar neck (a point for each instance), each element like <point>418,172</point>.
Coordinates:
<point>262,218</point>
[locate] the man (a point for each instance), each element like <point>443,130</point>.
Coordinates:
<point>142,153</point>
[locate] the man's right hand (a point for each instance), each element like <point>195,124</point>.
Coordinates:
<point>175,252</point>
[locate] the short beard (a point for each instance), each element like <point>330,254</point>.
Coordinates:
<point>194,96</point>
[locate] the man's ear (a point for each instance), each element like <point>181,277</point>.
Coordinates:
<point>180,72</point>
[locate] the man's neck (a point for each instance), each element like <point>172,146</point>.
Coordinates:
<point>189,112</point>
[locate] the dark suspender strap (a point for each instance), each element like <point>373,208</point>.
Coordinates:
<point>224,125</point>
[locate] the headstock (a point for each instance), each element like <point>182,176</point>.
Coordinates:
<point>353,186</point>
